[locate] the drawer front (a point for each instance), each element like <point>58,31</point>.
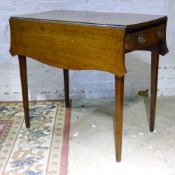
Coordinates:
<point>144,38</point>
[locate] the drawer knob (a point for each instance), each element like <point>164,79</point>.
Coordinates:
<point>141,39</point>
<point>159,34</point>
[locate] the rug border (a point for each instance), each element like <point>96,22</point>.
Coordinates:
<point>65,143</point>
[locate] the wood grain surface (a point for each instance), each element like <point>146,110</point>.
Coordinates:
<point>69,46</point>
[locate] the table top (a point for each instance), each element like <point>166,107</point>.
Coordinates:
<point>122,20</point>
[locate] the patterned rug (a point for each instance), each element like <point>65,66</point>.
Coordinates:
<point>40,150</point>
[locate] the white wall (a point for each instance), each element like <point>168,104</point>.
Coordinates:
<point>47,82</point>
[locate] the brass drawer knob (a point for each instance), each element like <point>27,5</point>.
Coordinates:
<point>141,39</point>
<point>159,34</point>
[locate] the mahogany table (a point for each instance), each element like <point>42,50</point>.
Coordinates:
<point>75,40</point>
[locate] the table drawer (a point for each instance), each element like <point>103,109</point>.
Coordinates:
<point>144,38</point>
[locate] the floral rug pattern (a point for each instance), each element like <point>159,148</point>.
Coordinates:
<point>34,151</point>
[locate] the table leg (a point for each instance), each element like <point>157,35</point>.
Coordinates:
<point>66,87</point>
<point>119,91</point>
<point>23,75</point>
<point>154,76</point>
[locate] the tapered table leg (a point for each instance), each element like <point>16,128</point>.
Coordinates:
<point>154,76</point>
<point>66,87</point>
<point>23,74</point>
<point>119,91</point>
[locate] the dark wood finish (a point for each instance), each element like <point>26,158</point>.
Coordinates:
<point>150,36</point>
<point>66,87</point>
<point>163,43</point>
<point>103,19</point>
<point>23,75</point>
<point>154,77</point>
<point>118,123</point>
<point>89,41</point>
